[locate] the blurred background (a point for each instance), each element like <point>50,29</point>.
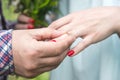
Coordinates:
<point>49,11</point>
<point>42,11</point>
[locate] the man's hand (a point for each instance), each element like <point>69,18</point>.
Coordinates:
<point>34,52</point>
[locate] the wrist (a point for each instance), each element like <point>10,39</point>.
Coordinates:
<point>117,21</point>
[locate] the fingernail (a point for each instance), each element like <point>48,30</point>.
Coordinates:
<point>70,52</point>
<point>30,27</point>
<point>31,21</point>
<point>53,40</point>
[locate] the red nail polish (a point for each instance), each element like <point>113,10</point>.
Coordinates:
<point>30,27</point>
<point>70,53</point>
<point>53,40</point>
<point>31,21</point>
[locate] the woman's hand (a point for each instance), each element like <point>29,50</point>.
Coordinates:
<point>33,54</point>
<point>92,25</point>
<point>24,22</point>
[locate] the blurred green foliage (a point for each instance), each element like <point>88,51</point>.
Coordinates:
<point>37,9</point>
<point>44,76</point>
<point>9,11</point>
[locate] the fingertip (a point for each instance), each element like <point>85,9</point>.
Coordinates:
<point>53,40</point>
<point>30,26</point>
<point>70,53</point>
<point>32,21</point>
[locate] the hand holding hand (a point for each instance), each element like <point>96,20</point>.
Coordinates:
<point>33,55</point>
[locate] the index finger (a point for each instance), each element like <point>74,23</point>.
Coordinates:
<point>60,22</point>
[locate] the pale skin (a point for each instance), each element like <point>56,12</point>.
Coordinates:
<point>34,53</point>
<point>92,25</point>
<point>23,22</point>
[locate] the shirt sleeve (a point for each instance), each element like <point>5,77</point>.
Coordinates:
<point>6,58</point>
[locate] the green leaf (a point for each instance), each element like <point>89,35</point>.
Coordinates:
<point>37,9</point>
<point>44,4</point>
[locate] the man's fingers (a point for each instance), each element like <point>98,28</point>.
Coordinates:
<point>46,33</point>
<point>56,48</point>
<point>53,61</point>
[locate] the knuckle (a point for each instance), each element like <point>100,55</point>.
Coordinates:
<point>92,39</point>
<point>29,72</point>
<point>54,61</point>
<point>29,75</point>
<point>54,24</point>
<point>58,61</point>
<point>60,49</point>
<point>66,45</point>
<point>34,52</point>
<point>29,67</point>
<point>30,51</point>
<point>87,42</point>
<point>56,51</point>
